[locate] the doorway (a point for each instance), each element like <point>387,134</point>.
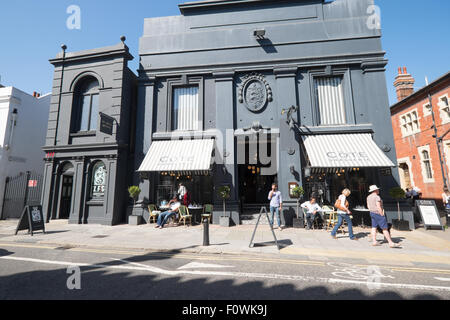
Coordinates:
<point>258,170</point>
<point>66,197</point>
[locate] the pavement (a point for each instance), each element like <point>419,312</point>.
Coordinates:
<point>419,248</point>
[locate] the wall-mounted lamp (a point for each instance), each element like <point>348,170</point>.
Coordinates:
<point>259,33</point>
<point>292,168</point>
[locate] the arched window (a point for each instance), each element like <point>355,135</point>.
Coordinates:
<point>85,111</point>
<point>98,182</point>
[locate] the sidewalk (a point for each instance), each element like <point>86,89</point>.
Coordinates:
<point>419,247</point>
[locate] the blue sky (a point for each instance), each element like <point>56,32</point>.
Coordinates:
<point>415,35</point>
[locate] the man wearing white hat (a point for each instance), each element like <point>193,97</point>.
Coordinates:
<point>375,206</point>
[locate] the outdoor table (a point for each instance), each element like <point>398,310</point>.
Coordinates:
<point>361,216</point>
<point>196,213</point>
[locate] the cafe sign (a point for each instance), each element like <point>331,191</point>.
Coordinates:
<point>347,156</point>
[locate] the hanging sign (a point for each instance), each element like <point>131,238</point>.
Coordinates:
<point>106,124</point>
<point>32,219</point>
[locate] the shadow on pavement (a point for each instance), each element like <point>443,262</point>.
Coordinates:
<point>99,284</point>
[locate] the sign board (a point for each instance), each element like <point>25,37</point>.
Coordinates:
<point>32,219</point>
<point>32,183</point>
<point>430,214</point>
<point>106,124</point>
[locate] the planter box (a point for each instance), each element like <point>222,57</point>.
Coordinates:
<point>401,225</point>
<point>135,220</point>
<point>298,223</point>
<point>224,221</point>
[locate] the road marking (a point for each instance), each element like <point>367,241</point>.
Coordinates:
<point>197,265</point>
<point>443,279</point>
<point>142,267</point>
<point>186,256</point>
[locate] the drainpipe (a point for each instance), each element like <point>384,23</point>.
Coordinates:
<point>64,47</point>
<point>437,142</point>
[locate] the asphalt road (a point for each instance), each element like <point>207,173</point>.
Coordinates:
<point>29,271</point>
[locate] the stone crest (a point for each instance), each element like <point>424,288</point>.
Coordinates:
<point>255,92</point>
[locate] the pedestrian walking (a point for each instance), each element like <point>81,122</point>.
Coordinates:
<point>375,206</point>
<point>343,214</point>
<point>276,205</point>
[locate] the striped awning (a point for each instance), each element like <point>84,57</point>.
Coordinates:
<point>345,151</point>
<point>191,156</point>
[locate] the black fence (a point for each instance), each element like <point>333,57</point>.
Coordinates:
<point>24,189</point>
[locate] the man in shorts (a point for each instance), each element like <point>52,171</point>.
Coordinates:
<point>375,206</point>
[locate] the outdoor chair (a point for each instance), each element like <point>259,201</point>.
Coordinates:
<point>333,220</point>
<point>315,223</point>
<point>184,215</point>
<point>154,213</point>
<point>207,212</point>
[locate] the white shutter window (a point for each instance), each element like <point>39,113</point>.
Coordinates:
<point>330,100</point>
<point>185,108</point>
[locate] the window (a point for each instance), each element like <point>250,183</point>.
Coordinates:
<point>85,113</point>
<point>409,123</point>
<point>98,180</point>
<point>426,109</point>
<point>185,107</point>
<point>427,169</point>
<point>444,108</point>
<point>330,100</point>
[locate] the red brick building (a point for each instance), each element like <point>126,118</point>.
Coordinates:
<point>412,121</point>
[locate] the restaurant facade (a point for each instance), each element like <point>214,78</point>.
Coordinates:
<point>239,93</point>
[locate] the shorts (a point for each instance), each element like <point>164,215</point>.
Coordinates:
<point>379,221</point>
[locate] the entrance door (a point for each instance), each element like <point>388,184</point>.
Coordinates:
<point>254,187</point>
<point>66,197</point>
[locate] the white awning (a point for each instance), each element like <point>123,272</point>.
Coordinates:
<point>345,151</point>
<point>190,156</point>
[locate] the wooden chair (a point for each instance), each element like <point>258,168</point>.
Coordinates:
<point>327,215</point>
<point>208,212</point>
<point>154,213</point>
<point>184,214</point>
<point>333,220</point>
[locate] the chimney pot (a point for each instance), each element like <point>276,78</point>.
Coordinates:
<point>34,94</point>
<point>400,70</point>
<point>404,70</point>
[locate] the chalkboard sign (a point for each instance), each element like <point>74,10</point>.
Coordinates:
<point>32,219</point>
<point>430,214</point>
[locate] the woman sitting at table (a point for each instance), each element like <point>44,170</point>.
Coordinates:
<point>165,216</point>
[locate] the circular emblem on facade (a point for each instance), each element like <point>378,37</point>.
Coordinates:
<point>255,92</point>
<point>386,148</point>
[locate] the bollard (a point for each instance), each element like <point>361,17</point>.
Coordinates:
<point>206,232</point>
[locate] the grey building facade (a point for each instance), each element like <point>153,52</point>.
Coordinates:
<point>260,78</point>
<point>86,170</point>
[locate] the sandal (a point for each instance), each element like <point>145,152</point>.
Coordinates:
<point>396,245</point>
<point>376,245</point>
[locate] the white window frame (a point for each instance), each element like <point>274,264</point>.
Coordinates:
<point>445,117</point>
<point>404,123</point>
<point>422,164</point>
<point>426,111</point>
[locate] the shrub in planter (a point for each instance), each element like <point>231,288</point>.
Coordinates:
<point>224,193</point>
<point>298,193</point>
<point>398,193</point>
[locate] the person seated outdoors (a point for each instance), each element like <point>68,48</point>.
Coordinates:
<point>313,210</point>
<point>165,216</point>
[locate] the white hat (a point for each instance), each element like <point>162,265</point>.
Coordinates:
<point>373,188</point>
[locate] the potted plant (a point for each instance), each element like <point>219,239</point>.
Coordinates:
<point>398,193</point>
<point>298,192</point>
<point>224,193</point>
<point>133,192</point>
